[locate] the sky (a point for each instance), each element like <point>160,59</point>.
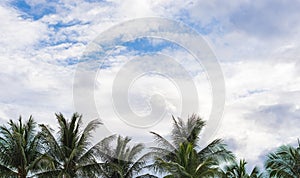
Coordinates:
<point>256,43</point>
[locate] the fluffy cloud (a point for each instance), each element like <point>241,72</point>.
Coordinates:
<point>267,19</point>
<point>18,33</point>
<point>262,104</point>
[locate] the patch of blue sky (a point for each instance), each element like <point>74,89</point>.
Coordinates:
<point>34,12</point>
<point>53,42</point>
<point>69,37</point>
<point>59,25</point>
<point>92,61</point>
<point>71,61</point>
<point>149,45</point>
<point>137,47</point>
<point>68,61</point>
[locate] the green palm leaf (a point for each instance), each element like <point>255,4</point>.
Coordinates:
<point>284,162</point>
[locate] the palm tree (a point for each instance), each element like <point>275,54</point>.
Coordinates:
<point>236,170</point>
<point>70,152</point>
<point>284,162</point>
<point>120,159</point>
<point>183,157</point>
<point>20,149</point>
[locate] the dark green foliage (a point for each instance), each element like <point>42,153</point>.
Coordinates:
<point>235,170</point>
<point>284,162</point>
<point>20,149</point>
<point>70,152</point>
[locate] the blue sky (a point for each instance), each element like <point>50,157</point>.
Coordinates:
<point>256,43</point>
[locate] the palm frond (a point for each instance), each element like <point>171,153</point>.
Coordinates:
<point>162,142</point>
<point>284,162</point>
<point>7,172</point>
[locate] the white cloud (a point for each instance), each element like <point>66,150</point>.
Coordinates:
<point>261,106</point>
<point>16,32</point>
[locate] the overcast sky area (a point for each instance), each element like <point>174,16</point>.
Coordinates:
<point>256,43</point>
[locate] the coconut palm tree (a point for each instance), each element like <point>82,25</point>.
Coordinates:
<point>183,157</point>
<point>235,170</point>
<point>70,151</point>
<point>120,159</point>
<point>20,149</point>
<point>284,162</point>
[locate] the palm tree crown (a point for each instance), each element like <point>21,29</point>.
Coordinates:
<point>20,149</point>
<point>70,153</point>
<point>120,159</point>
<point>182,157</point>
